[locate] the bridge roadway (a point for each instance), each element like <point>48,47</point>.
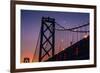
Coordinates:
<point>78,51</point>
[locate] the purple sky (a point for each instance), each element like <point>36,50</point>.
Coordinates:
<point>31,22</point>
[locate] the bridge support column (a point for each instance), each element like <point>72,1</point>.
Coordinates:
<point>47,38</point>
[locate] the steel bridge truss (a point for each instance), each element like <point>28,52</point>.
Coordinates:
<point>47,36</point>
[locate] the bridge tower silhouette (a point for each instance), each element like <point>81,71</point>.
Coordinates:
<point>47,37</point>
<point>52,34</point>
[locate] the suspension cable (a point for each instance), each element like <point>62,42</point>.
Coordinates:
<point>36,47</point>
<point>72,29</point>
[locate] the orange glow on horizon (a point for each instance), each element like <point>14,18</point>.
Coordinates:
<point>29,55</point>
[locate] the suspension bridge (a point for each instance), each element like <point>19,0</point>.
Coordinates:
<point>58,43</point>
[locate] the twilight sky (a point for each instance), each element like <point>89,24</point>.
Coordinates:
<point>31,22</point>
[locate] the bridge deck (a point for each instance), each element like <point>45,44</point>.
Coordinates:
<point>78,51</point>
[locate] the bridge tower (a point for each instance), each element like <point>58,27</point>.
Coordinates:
<point>47,37</point>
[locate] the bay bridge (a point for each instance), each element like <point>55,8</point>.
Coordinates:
<point>58,43</point>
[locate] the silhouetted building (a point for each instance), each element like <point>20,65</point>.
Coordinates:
<point>26,60</point>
